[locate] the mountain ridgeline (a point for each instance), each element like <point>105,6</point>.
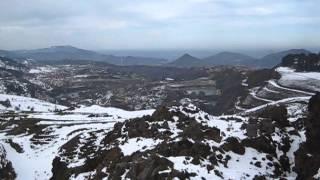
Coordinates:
<point>94,120</point>
<point>56,53</point>
<point>237,59</point>
<point>186,60</point>
<point>70,53</point>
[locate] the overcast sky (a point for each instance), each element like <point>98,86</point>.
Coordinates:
<point>162,24</point>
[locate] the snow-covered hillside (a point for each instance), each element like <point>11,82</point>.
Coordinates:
<point>20,103</point>
<point>36,136</point>
<point>184,142</point>
<point>301,80</point>
<point>202,146</point>
<point>291,86</point>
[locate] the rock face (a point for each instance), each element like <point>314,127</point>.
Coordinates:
<point>313,123</point>
<point>6,170</point>
<point>232,144</point>
<point>308,156</point>
<point>277,114</point>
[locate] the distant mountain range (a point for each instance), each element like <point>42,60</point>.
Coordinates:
<point>231,58</point>
<point>273,59</point>
<point>58,53</point>
<point>186,60</point>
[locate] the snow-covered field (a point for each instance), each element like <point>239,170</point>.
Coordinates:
<point>36,161</point>
<point>302,80</point>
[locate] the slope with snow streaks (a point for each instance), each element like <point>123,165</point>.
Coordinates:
<point>187,143</point>
<point>38,135</point>
<point>20,103</point>
<point>111,111</point>
<point>290,85</point>
<point>6,170</point>
<point>309,81</point>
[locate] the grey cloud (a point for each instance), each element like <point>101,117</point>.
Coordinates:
<point>154,24</point>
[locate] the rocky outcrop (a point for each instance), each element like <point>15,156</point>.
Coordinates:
<point>313,123</point>
<point>232,144</point>
<point>259,77</point>
<point>307,158</point>
<point>173,142</point>
<point>261,143</point>
<point>276,113</point>
<point>6,170</point>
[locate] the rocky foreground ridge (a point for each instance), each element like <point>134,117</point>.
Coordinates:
<point>187,143</point>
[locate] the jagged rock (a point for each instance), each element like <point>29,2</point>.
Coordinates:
<point>286,144</point>
<point>199,132</point>
<point>149,168</point>
<point>313,123</point>
<point>184,147</point>
<point>285,164</point>
<point>161,114</point>
<point>306,164</point>
<point>59,170</point>
<point>232,144</point>
<point>252,128</point>
<point>307,157</point>
<point>192,140</point>
<point>262,144</point>
<point>138,128</point>
<point>277,113</point>
<point>6,170</point>
<point>266,126</point>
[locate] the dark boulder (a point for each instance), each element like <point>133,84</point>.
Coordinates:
<point>59,170</point>
<point>306,164</point>
<point>232,144</point>
<point>312,123</point>
<point>267,127</point>
<point>6,169</point>
<point>149,168</point>
<point>251,128</point>
<point>277,113</point>
<point>138,128</point>
<point>161,114</point>
<point>184,147</point>
<point>197,131</point>
<point>261,144</point>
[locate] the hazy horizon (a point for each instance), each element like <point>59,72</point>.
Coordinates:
<point>172,54</point>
